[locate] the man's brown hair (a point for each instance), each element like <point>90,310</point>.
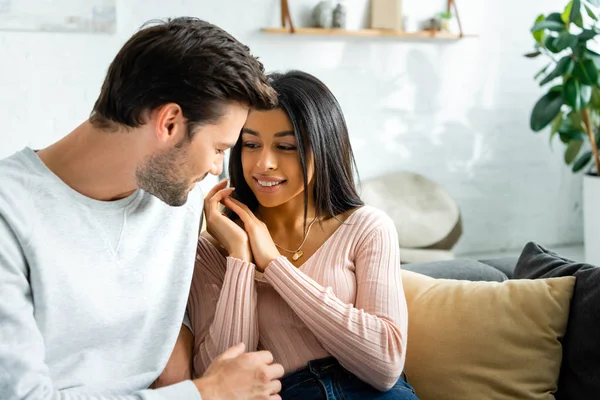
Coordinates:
<point>185,61</point>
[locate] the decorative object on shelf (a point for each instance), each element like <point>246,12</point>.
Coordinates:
<point>386,14</point>
<point>322,14</point>
<point>571,107</point>
<point>358,14</point>
<point>409,24</point>
<point>433,24</point>
<point>445,20</point>
<point>339,16</point>
<point>449,22</point>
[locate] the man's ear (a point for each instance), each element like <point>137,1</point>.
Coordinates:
<point>171,126</point>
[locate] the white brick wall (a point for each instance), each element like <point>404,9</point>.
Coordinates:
<point>456,112</point>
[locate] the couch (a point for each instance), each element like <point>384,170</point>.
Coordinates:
<point>523,327</point>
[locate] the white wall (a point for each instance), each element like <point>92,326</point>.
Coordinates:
<point>457,112</point>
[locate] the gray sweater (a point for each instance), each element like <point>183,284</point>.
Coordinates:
<point>92,293</point>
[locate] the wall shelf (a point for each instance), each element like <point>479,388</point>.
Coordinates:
<point>366,33</point>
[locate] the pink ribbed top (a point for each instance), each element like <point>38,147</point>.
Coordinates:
<point>345,301</point>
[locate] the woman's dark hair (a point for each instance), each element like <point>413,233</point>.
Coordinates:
<point>320,128</point>
<point>185,61</point>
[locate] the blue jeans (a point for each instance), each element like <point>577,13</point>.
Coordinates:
<point>326,379</point>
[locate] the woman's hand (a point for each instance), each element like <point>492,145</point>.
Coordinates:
<point>261,243</point>
<point>231,236</point>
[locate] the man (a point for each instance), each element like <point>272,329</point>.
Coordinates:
<point>98,231</point>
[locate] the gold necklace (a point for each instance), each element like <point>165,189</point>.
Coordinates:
<point>298,252</point>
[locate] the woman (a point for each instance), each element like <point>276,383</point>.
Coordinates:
<point>314,274</point>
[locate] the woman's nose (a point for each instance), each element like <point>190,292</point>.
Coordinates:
<point>268,161</point>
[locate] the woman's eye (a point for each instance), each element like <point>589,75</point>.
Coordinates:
<point>250,145</point>
<point>219,151</point>
<point>287,147</point>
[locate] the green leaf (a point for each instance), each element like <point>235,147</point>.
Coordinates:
<point>567,137</point>
<point>575,16</point>
<point>572,93</point>
<point>594,56</point>
<point>582,161</point>
<point>563,67</point>
<point>542,71</point>
<point>585,71</point>
<point>573,149</point>
<point>586,35</point>
<point>590,12</point>
<point>555,125</point>
<point>576,95</point>
<point>576,121</point>
<point>549,44</point>
<point>593,53</point>
<point>539,35</point>
<point>550,25</point>
<point>557,17</point>
<point>564,41</point>
<point>566,15</point>
<point>545,110</point>
<point>533,54</point>
<point>595,101</point>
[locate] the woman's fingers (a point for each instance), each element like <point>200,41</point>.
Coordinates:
<point>234,206</point>
<point>219,186</point>
<point>244,208</point>
<point>218,197</point>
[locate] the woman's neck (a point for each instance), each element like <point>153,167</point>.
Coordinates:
<point>288,217</point>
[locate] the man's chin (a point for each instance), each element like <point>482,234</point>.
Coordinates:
<point>173,201</point>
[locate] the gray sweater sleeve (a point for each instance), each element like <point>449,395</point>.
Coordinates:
<point>23,372</point>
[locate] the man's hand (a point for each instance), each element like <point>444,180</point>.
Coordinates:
<point>244,376</point>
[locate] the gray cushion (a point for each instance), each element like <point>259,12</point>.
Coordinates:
<point>504,264</point>
<point>458,269</point>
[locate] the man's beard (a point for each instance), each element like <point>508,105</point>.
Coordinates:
<point>163,175</point>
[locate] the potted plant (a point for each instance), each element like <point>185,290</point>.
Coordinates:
<point>445,20</point>
<point>571,105</point>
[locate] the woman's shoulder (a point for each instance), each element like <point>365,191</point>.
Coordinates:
<point>368,217</point>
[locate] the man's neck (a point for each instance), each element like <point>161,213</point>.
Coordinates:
<point>98,164</point>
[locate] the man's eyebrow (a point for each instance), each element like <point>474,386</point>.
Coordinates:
<point>277,135</point>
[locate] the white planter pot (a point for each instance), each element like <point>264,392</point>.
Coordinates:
<point>357,14</point>
<point>591,219</point>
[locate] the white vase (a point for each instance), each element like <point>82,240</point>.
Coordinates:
<point>357,14</point>
<point>591,219</point>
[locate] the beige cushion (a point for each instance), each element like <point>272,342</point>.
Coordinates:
<point>485,340</point>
